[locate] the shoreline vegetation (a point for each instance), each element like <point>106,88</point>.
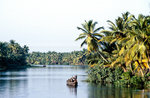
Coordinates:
<point>13,56</point>
<point>55,58</point>
<point>121,54</point>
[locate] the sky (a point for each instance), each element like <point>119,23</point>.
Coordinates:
<point>51,25</point>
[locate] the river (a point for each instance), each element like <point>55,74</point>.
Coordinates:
<point>50,82</point>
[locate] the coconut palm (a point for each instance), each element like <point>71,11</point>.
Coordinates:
<point>133,51</point>
<point>138,44</point>
<point>91,36</point>
<point>114,36</point>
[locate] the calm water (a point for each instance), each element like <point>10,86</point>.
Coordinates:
<point>50,82</point>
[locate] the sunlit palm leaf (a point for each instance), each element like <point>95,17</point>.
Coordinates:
<point>98,29</point>
<point>81,37</point>
<point>82,29</point>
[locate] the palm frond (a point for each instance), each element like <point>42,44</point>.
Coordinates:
<point>80,37</point>
<point>106,32</point>
<point>96,30</point>
<point>128,20</point>
<point>79,28</point>
<point>110,22</point>
<point>112,25</point>
<point>84,42</point>
<point>83,34</point>
<point>85,27</point>
<point>107,39</point>
<point>97,34</point>
<point>94,24</point>
<point>89,24</point>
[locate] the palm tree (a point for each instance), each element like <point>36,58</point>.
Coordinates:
<point>114,36</point>
<point>91,37</point>
<point>139,44</point>
<point>133,43</point>
<point>90,34</point>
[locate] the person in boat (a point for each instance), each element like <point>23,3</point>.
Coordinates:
<point>74,79</point>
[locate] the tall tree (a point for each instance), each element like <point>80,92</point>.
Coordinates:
<point>132,40</point>
<point>91,37</point>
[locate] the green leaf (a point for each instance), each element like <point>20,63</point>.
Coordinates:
<point>81,37</point>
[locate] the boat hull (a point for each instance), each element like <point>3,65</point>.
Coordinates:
<point>74,84</point>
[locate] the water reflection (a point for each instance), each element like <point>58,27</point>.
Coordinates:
<point>50,82</point>
<point>73,90</point>
<point>109,91</point>
<point>13,88</point>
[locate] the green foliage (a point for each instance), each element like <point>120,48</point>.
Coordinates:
<point>126,75</point>
<point>54,58</point>
<point>12,55</point>
<point>126,46</point>
<point>136,81</point>
<point>101,74</point>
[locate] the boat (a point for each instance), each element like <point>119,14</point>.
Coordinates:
<point>72,82</point>
<point>44,65</point>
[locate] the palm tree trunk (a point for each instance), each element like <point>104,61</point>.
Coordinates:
<point>123,67</point>
<point>102,56</point>
<point>141,72</point>
<point>140,68</point>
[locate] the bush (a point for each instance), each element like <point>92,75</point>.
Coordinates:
<point>137,82</point>
<point>103,75</point>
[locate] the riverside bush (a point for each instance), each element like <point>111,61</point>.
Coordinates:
<point>103,75</point>
<point>100,74</point>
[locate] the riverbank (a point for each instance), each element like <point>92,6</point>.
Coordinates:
<point>116,76</point>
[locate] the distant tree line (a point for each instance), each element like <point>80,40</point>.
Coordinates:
<point>54,58</point>
<point>12,54</point>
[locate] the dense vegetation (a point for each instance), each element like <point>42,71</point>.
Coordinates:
<point>12,55</point>
<point>54,58</point>
<point>121,54</point>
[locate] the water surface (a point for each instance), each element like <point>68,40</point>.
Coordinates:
<point>50,82</point>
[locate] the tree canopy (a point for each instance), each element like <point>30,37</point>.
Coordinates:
<point>125,45</point>
<point>54,58</point>
<point>12,54</point>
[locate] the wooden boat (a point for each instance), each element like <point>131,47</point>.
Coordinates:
<point>44,65</point>
<point>72,82</point>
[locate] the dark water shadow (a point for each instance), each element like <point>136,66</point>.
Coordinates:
<point>14,73</point>
<point>73,90</point>
<point>110,91</point>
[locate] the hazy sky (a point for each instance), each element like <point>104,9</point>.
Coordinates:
<point>50,25</point>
